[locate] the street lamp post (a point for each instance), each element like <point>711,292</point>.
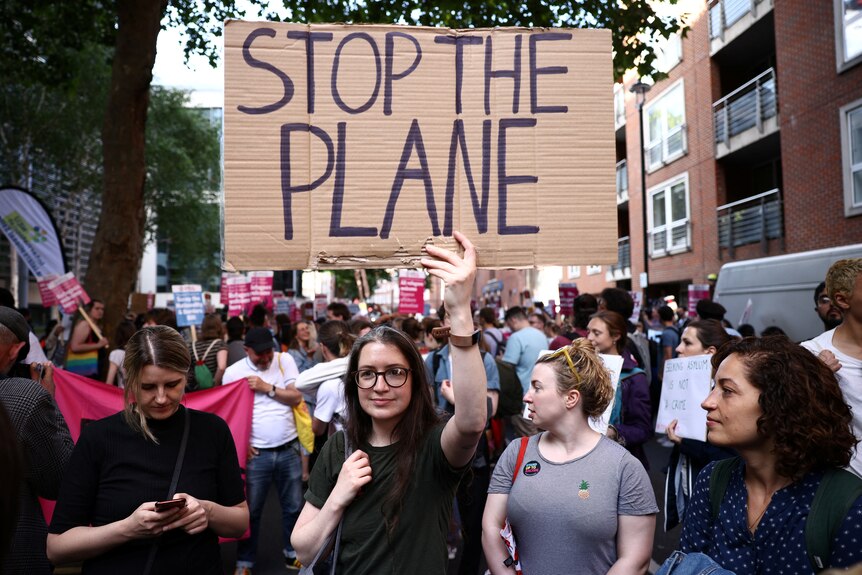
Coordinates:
<point>640,89</point>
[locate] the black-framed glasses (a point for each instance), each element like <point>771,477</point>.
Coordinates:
<point>394,377</point>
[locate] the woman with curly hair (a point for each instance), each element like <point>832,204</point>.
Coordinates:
<point>577,501</point>
<point>781,409</point>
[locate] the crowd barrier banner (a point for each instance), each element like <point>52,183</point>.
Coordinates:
<point>354,146</point>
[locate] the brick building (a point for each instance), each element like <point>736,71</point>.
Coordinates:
<point>753,145</point>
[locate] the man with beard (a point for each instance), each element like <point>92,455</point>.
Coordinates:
<point>828,313</point>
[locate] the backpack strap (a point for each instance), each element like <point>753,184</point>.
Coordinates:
<point>521,451</point>
<point>718,481</point>
<point>627,373</point>
<point>838,491</point>
<point>435,363</point>
<point>204,358</point>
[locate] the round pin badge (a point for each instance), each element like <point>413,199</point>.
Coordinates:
<point>532,468</point>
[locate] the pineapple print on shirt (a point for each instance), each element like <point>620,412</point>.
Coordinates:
<point>584,490</point>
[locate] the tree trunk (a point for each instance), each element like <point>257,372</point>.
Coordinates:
<point>118,245</point>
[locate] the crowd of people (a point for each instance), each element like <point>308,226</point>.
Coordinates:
<point>451,436</point>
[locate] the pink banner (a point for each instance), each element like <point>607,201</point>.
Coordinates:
<point>68,292</point>
<point>82,400</point>
<point>239,295</point>
<point>411,292</point>
<point>261,288</point>
<point>568,293</point>
<point>48,297</point>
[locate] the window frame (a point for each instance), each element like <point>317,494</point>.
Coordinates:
<point>594,270</point>
<point>666,157</point>
<point>847,167</point>
<point>574,271</point>
<point>840,36</point>
<point>669,225</point>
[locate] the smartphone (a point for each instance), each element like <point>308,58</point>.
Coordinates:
<point>170,504</point>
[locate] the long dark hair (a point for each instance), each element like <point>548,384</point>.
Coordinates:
<point>410,432</point>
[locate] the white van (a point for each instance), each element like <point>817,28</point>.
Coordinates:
<point>780,289</point>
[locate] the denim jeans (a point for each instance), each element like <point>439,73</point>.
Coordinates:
<point>285,468</point>
<point>680,563</point>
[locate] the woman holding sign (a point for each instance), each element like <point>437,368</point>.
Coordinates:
<point>781,408</point>
<point>689,456</point>
<point>575,500</point>
<point>631,419</point>
<point>390,485</point>
<point>150,489</point>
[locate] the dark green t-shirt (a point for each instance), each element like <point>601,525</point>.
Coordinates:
<point>418,544</point>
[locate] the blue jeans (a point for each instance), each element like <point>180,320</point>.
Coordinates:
<point>680,563</point>
<point>285,467</point>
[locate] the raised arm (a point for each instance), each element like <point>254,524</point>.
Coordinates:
<point>462,432</point>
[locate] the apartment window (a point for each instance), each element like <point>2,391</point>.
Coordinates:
<point>669,231</point>
<point>593,270</point>
<point>574,271</point>
<point>851,145</point>
<point>619,105</point>
<point>665,132</point>
<point>668,52</point>
<point>848,33</point>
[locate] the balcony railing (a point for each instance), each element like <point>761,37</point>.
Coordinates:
<point>746,107</point>
<point>755,219</point>
<point>622,183</point>
<point>621,269</point>
<point>671,238</point>
<point>725,13</point>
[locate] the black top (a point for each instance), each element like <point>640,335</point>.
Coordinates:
<point>114,469</point>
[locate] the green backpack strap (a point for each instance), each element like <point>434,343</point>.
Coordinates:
<point>836,494</point>
<point>718,481</point>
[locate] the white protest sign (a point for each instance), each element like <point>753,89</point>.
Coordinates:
<point>614,365</point>
<point>686,383</point>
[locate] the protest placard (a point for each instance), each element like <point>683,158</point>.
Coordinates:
<point>685,385</point>
<point>188,304</point>
<point>351,146</point>
<point>68,292</point>
<point>261,288</point>
<point>568,293</point>
<point>411,291</point>
<point>45,293</point>
<point>239,295</point>
<point>696,292</point>
<point>320,303</point>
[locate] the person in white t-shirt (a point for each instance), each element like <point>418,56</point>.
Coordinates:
<point>841,348</point>
<point>330,412</point>
<point>274,454</point>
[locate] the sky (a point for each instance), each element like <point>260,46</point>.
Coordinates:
<point>205,83</point>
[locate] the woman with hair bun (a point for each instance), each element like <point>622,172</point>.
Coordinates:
<point>781,409</point>
<point>580,501</point>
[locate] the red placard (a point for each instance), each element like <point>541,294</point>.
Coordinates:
<point>411,292</point>
<point>68,292</point>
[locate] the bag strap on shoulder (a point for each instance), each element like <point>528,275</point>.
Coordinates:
<point>718,481</point>
<point>836,494</point>
<point>521,451</point>
<point>204,358</point>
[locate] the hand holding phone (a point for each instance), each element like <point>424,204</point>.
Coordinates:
<point>162,506</point>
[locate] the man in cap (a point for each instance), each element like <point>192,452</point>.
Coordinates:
<point>274,454</point>
<point>43,438</point>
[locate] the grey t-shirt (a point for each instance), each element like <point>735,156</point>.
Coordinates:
<point>564,515</point>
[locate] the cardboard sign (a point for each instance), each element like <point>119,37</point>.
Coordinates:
<point>696,292</point>
<point>239,295</point>
<point>411,291</point>
<point>261,288</point>
<point>142,302</point>
<point>188,304</point>
<point>68,292</point>
<point>568,293</point>
<point>685,385</point>
<point>353,146</point>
